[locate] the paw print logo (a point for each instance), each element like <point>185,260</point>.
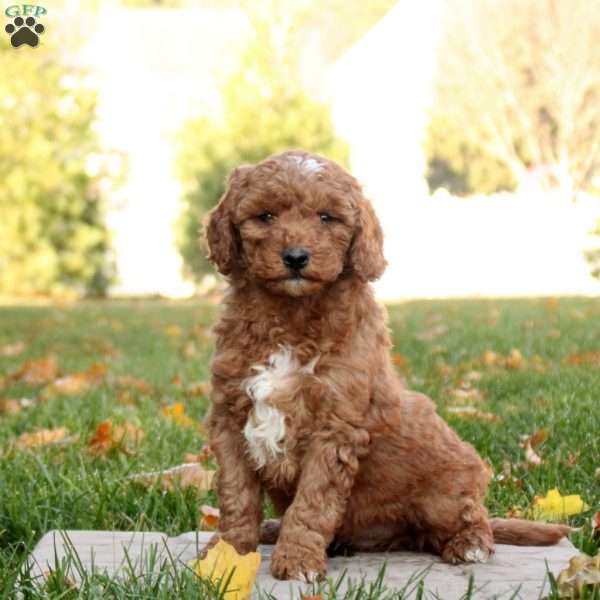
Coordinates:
<point>24,31</point>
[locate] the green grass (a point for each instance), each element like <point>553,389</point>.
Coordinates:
<point>68,487</point>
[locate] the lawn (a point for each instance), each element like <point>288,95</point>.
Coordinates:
<point>524,366</point>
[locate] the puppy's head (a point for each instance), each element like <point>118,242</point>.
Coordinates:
<point>294,223</point>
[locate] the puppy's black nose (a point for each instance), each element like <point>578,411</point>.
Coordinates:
<point>295,259</point>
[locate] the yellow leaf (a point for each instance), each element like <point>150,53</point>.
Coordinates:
<point>223,564</point>
<point>555,506</point>
<point>176,412</point>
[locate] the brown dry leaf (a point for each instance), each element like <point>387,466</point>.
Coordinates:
<point>470,412</point>
<point>399,359</point>
<point>553,334</point>
<point>435,331</point>
<point>38,371</point>
<point>77,383</point>
<point>318,597</point>
<point>467,394</point>
<point>176,412</point>
<point>203,457</point>
<point>189,349</point>
<point>128,381</point>
<point>472,377</point>
<point>176,380</point>
<point>572,459</point>
<point>584,359</point>
<point>491,358</point>
<point>107,437</point>
<point>44,437</point>
<point>531,456</point>
<point>552,303</point>
<point>581,578</point>
<point>210,517</point>
<point>515,512</point>
<point>198,388</point>
<point>514,360</point>
<point>183,476</point>
<point>537,438</point>
<point>13,349</point>
<point>10,407</point>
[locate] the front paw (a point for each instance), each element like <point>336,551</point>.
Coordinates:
<point>296,562</point>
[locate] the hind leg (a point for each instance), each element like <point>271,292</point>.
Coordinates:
<point>467,537</point>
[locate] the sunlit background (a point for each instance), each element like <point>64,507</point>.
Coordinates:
<point>474,127</point>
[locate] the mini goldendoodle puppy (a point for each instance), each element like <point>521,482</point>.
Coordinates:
<point>306,404</point>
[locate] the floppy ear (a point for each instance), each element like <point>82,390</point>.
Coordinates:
<point>366,251</point>
<point>221,236</point>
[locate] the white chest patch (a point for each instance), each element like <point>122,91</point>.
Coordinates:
<point>265,427</point>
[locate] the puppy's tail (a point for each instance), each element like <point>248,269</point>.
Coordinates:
<point>520,532</point>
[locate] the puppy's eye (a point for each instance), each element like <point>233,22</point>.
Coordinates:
<point>266,217</point>
<point>327,218</point>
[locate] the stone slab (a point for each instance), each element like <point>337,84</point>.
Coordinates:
<point>513,572</point>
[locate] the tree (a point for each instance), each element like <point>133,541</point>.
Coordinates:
<point>264,110</point>
<point>52,234</point>
<point>520,82</point>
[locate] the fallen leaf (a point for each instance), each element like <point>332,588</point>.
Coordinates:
<point>467,394</point>
<point>470,412</point>
<point>535,439</point>
<point>198,388</point>
<point>584,359</point>
<point>553,334</point>
<point>38,371</point>
<point>189,349</point>
<point>555,506</point>
<point>43,437</point>
<point>399,359</point>
<point>552,303</point>
<point>222,563</point>
<point>13,349</point>
<point>10,407</point>
<point>203,457</point>
<point>490,358</point>
<point>173,331</point>
<point>514,360</point>
<point>515,512</point>
<point>184,476</point>
<point>581,578</point>
<point>127,381</point>
<point>571,459</point>
<point>210,517</point>
<point>531,456</point>
<point>319,597</point>
<point>435,331</point>
<point>176,412</point>
<point>107,437</point>
<point>77,383</point>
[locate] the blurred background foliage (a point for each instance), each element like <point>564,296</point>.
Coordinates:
<point>265,109</point>
<point>517,95</point>
<point>53,237</point>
